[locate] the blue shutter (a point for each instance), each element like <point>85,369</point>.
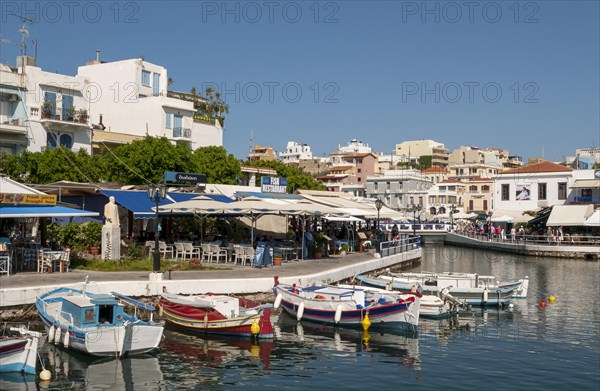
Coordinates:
<point>177,126</point>
<point>50,140</point>
<point>156,84</point>
<point>51,97</point>
<point>67,105</point>
<point>168,123</point>
<point>146,78</point>
<point>66,141</point>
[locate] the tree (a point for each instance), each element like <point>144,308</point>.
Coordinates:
<point>218,166</point>
<point>424,162</point>
<point>146,160</point>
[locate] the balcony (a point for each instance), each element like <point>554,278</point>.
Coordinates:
<point>12,125</point>
<point>182,133</point>
<point>592,199</point>
<point>54,121</point>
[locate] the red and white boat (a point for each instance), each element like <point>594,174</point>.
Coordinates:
<point>19,353</point>
<point>217,314</point>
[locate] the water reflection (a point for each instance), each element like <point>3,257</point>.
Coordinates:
<point>71,370</point>
<point>401,345</point>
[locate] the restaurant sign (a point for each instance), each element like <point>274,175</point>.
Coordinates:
<point>184,178</point>
<point>271,184</point>
<point>27,199</point>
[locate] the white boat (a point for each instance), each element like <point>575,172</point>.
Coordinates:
<point>19,353</point>
<point>349,306</point>
<point>467,288</point>
<point>432,306</point>
<point>97,324</point>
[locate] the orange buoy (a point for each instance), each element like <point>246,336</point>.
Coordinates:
<point>543,303</point>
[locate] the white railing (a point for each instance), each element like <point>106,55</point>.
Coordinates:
<point>399,246</point>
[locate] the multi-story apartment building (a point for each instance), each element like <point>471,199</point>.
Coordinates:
<point>443,195</point>
<point>295,152</point>
<point>475,155</point>
<point>545,184</point>
<point>467,171</point>
<point>478,195</point>
<point>128,98</point>
<point>418,148</point>
<point>262,153</point>
<point>15,131</point>
<point>435,174</point>
<point>397,190</point>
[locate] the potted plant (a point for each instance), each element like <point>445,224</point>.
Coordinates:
<point>318,246</point>
<point>277,260</point>
<point>47,109</point>
<point>91,236</point>
<point>82,116</point>
<point>70,114</point>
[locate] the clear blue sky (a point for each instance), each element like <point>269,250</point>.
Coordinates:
<point>521,76</point>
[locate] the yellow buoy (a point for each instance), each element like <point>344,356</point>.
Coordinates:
<point>255,328</point>
<point>45,375</point>
<point>366,323</point>
<point>551,299</point>
<point>366,337</point>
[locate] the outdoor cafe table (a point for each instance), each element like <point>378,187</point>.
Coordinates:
<point>56,259</point>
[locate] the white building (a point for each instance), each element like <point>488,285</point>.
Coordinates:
<point>443,195</point>
<point>399,189</point>
<point>354,146</point>
<point>41,109</point>
<point>133,100</point>
<point>533,186</point>
<point>418,148</point>
<point>294,152</point>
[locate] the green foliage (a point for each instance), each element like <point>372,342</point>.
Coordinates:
<point>90,234</point>
<point>424,162</point>
<point>135,264</point>
<point>69,235</point>
<point>296,179</point>
<point>218,166</point>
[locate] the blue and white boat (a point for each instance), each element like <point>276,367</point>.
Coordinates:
<point>19,353</point>
<point>349,306</point>
<point>97,324</point>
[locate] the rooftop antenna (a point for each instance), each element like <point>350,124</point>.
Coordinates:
<point>24,32</point>
<point>251,140</point>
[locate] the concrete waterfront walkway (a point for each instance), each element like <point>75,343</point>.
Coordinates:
<point>22,288</point>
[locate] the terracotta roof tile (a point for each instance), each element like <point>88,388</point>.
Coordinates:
<point>434,169</point>
<point>544,166</point>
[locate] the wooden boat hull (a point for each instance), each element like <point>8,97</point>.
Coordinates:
<point>402,313</point>
<point>19,354</point>
<point>128,337</point>
<point>475,296</point>
<point>192,320</point>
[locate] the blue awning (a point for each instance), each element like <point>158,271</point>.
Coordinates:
<point>140,204</point>
<point>12,211</point>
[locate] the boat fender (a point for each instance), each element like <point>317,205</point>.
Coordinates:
<point>485,295</point>
<point>366,323</point>
<point>45,375</point>
<point>320,297</point>
<point>160,311</point>
<point>57,335</point>
<point>51,334</point>
<point>278,300</point>
<point>338,314</point>
<point>205,320</point>
<point>255,328</point>
<point>300,311</point>
<point>66,339</point>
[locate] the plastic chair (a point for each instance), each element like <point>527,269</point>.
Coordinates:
<point>179,250</point>
<point>218,253</point>
<point>5,264</point>
<point>248,255</point>
<point>190,250</point>
<point>165,249</point>
<point>43,263</point>
<point>238,254</point>
<point>206,252</point>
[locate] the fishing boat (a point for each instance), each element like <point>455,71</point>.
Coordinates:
<point>96,323</point>
<point>349,306</point>
<point>19,353</point>
<point>432,306</point>
<point>217,314</point>
<point>468,288</point>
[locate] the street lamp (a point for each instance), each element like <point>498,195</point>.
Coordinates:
<point>156,193</point>
<point>452,218</point>
<point>415,209</point>
<point>378,205</point>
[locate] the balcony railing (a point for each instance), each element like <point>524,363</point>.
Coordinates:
<point>587,200</point>
<point>179,132</point>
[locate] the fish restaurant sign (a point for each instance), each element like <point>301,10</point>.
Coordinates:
<point>273,185</point>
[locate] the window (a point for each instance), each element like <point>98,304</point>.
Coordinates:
<point>485,188</point>
<point>156,84</point>
<point>451,188</point>
<point>485,206</point>
<point>168,121</point>
<point>50,140</point>
<point>432,200</point>
<point>66,141</point>
<point>359,179</point>
<point>360,170</point>
<point>146,78</point>
<point>505,196</point>
<point>541,191</point>
<point>470,204</point>
<point>562,190</point>
<point>473,189</point>
<point>442,199</point>
<point>67,108</point>
<point>452,199</point>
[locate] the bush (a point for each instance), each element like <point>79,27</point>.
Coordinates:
<point>90,234</point>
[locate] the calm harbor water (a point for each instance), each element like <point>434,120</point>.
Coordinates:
<point>526,347</point>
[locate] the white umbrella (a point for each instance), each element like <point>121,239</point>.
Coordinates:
<point>502,219</point>
<point>593,220</point>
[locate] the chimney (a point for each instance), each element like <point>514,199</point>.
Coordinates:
<point>98,57</point>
